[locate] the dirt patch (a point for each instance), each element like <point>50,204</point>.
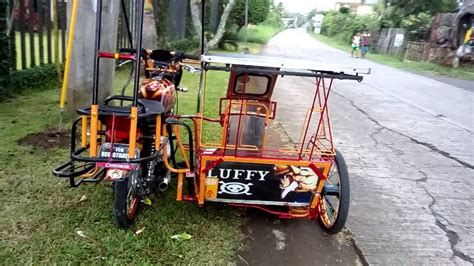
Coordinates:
<point>50,138</point>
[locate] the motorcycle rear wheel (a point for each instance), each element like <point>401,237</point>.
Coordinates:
<point>125,204</point>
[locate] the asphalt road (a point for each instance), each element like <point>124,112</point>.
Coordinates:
<point>409,145</point>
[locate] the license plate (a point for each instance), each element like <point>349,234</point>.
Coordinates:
<point>116,151</point>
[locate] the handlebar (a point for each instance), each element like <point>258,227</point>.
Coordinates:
<point>116,56</point>
<point>162,55</point>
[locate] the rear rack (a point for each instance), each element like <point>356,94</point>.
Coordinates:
<point>72,170</point>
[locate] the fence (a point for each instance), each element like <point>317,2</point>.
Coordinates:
<point>417,51</point>
<point>391,41</point>
<point>122,36</point>
<point>39,40</point>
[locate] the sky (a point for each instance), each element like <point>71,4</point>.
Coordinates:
<point>304,6</point>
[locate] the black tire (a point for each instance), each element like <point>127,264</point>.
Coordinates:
<point>335,224</point>
<point>254,131</point>
<point>125,205</point>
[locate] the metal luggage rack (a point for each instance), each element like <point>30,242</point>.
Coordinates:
<point>281,66</point>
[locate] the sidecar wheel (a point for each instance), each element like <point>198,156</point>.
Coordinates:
<point>126,203</point>
<point>335,198</point>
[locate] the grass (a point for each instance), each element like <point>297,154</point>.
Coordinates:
<point>258,33</point>
<point>253,48</point>
<point>464,72</point>
<point>40,214</point>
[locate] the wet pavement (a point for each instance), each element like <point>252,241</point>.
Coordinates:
<point>409,145</point>
<point>273,241</point>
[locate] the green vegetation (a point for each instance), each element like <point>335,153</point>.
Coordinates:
<point>33,79</point>
<point>41,215</point>
<point>417,26</point>
<point>21,82</point>
<point>258,12</point>
<point>342,26</point>
<point>258,34</point>
<point>393,12</point>
<point>264,31</point>
<point>264,21</point>
<point>7,56</point>
<point>415,16</point>
<point>241,47</point>
<point>465,72</point>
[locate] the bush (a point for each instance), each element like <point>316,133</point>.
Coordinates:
<point>185,45</point>
<point>258,11</point>
<point>258,34</point>
<point>274,20</point>
<point>31,79</point>
<point>417,26</point>
<point>343,26</point>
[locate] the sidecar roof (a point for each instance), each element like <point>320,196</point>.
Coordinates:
<point>281,63</point>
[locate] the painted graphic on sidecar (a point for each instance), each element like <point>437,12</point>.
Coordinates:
<point>265,182</point>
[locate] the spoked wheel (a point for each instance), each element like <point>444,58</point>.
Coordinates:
<point>126,201</point>
<point>335,198</point>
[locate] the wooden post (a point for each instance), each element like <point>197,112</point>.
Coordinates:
<point>82,61</point>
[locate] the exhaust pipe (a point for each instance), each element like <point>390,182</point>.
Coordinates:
<point>163,186</point>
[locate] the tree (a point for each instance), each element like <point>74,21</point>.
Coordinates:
<point>393,12</point>
<point>417,26</point>
<point>344,10</point>
<point>279,9</point>
<point>6,53</point>
<point>160,13</point>
<point>411,7</point>
<point>311,14</point>
<point>258,12</point>
<point>196,17</point>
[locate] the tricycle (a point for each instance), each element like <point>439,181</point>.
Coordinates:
<point>141,145</point>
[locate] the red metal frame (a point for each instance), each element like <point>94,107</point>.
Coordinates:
<point>318,140</point>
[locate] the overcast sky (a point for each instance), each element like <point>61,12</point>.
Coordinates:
<point>304,6</point>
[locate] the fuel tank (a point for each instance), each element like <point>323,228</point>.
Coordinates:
<point>163,91</point>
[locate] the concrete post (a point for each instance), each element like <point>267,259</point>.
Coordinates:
<point>82,63</point>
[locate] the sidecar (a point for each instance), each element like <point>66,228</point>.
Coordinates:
<point>248,165</point>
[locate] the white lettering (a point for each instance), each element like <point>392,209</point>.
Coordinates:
<point>262,175</point>
<point>209,174</point>
<point>237,173</point>
<point>250,174</point>
<point>222,173</point>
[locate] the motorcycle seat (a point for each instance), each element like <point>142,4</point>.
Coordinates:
<point>146,108</point>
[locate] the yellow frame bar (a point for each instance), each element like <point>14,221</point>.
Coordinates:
<point>94,124</point>
<point>132,141</point>
<point>84,131</point>
<point>158,133</point>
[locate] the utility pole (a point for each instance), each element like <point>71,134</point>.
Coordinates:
<point>246,19</point>
<point>82,60</point>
